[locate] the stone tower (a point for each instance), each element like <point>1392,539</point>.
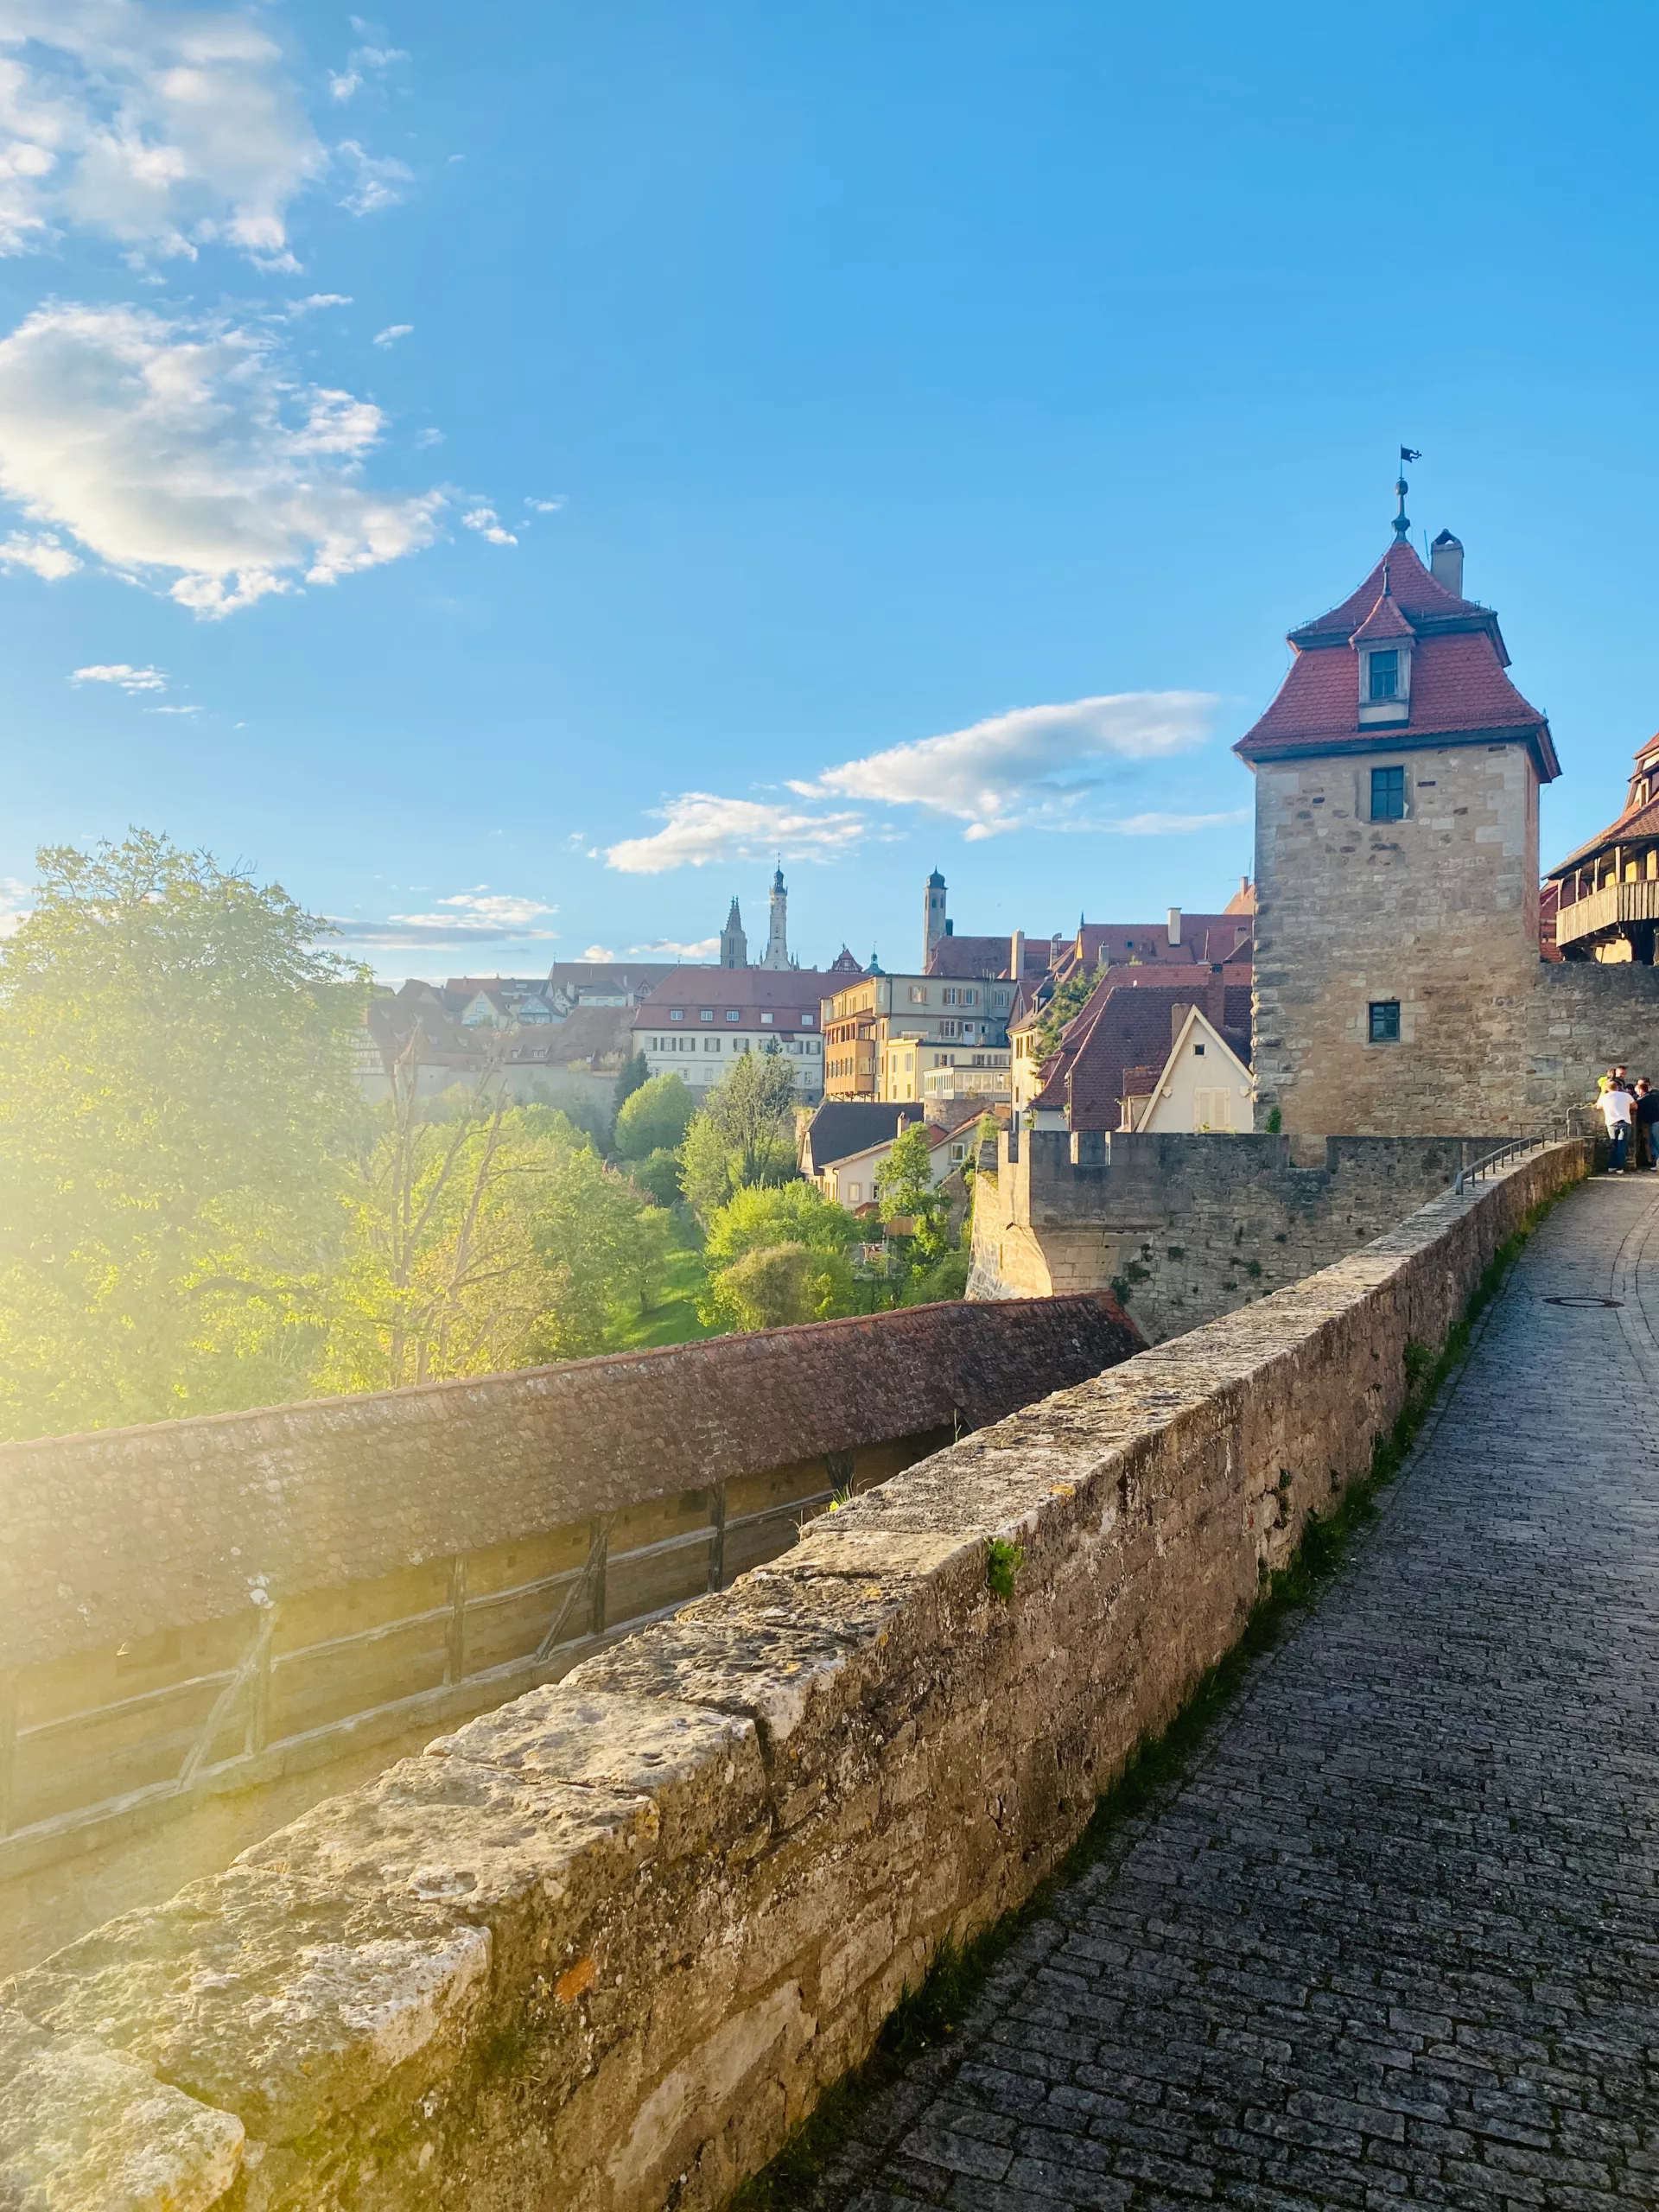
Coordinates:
<point>935,926</point>
<point>1396,861</point>
<point>778,932</point>
<point>734,945</point>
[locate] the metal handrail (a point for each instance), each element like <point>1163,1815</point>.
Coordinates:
<point>1484,1165</point>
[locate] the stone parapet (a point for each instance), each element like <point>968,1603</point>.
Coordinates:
<point>602,1948</point>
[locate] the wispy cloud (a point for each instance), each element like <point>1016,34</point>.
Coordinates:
<point>1034,767</point>
<point>699,827</point>
<point>545,506</point>
<point>164,129</point>
<point>363,63</point>
<point>489,526</point>
<point>469,918</point>
<point>315,302</point>
<point>172,710</point>
<point>392,333</point>
<point>659,947</point>
<point>1173,825</point>
<point>187,453</point>
<point>429,437</point>
<point>44,555</point>
<point>122,673</point>
<point>378,181</point>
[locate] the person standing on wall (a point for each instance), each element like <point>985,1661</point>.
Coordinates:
<point>1616,1107</point>
<point>1647,1113</point>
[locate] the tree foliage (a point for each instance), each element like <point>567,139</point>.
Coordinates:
<point>776,1284</point>
<point>178,1101</point>
<point>1068,1000</point>
<point>654,1118</point>
<point>633,1074</point>
<point>743,1135</point>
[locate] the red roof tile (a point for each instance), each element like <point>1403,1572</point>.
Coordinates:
<point>1458,686</point>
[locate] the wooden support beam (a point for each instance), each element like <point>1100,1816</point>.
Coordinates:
<point>454,1648</point>
<point>717,1540</point>
<point>8,1746</point>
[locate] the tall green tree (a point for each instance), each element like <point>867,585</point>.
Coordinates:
<point>654,1118</point>
<point>178,1107</point>
<point>745,1133</point>
<point>1068,1001</point>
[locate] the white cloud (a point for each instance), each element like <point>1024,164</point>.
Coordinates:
<point>14,904</point>
<point>477,916</point>
<point>378,179</point>
<point>1027,769</point>
<point>546,506</point>
<point>187,451</point>
<point>487,523</point>
<point>46,555</point>
<point>1173,825</point>
<point>366,61</point>
<point>392,333</point>
<point>164,129</point>
<point>701,828</point>
<point>172,710</point>
<point>314,301</point>
<point>660,948</point>
<point>122,672</point>
<point>429,437</point>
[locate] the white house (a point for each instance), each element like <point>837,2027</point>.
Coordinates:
<point>1203,1086</point>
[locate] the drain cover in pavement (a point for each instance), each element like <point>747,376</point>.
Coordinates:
<point>1584,1301</point>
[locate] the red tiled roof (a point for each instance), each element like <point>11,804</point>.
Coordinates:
<point>966,958</point>
<point>796,992</point>
<point>1384,621</point>
<point>1135,1028</point>
<point>1409,583</point>
<point>1458,687</point>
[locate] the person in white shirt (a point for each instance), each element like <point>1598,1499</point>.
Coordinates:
<point>1616,1107</point>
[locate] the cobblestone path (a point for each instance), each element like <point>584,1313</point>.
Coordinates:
<point>1394,1940</point>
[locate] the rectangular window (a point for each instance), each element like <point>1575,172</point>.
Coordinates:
<point>731,1014</point>
<point>765,1018</point>
<point>807,1020</point>
<point>919,995</point>
<point>1385,676</point>
<point>677,1013</point>
<point>705,1014</point>
<point>1385,1022</point>
<point>1387,794</point>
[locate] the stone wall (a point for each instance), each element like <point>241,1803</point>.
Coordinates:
<point>303,1595</point>
<point>1585,1017</point>
<point>1439,912</point>
<point>601,1948</point>
<point>1188,1228</point>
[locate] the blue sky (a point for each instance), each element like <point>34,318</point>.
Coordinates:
<point>509,469</point>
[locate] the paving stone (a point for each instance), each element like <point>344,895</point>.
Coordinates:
<point>1394,1940</point>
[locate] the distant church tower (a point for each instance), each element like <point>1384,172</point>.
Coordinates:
<point>777,937</point>
<point>937,925</point>
<point>734,945</point>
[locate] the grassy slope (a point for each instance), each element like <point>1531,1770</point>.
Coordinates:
<point>673,1320</point>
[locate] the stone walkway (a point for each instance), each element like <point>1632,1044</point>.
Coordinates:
<point>1395,1938</point>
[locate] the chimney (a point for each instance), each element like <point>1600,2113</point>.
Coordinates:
<point>1017,955</point>
<point>1446,562</point>
<point>1174,924</point>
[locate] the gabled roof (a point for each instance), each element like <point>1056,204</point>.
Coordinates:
<point>987,958</point>
<point>1639,821</point>
<point>1197,1021</point>
<point>1459,693</point>
<point>842,1126</point>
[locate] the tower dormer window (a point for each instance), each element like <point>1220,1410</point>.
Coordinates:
<point>1383,676</point>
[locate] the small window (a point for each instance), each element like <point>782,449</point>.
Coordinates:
<point>1197,1051</point>
<point>807,1020</point>
<point>677,1013</point>
<point>1387,794</point>
<point>731,1014</point>
<point>919,995</point>
<point>1385,1022</point>
<point>705,1014</point>
<point>970,998</point>
<point>1385,676</point>
<point>766,1018</point>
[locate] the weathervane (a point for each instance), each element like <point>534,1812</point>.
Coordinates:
<point>1401,525</point>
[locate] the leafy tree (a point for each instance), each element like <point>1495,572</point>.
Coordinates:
<point>777,1284</point>
<point>178,1101</point>
<point>654,1118</point>
<point>658,1175</point>
<point>1068,1000</point>
<point>905,1191</point>
<point>744,1134</point>
<point>633,1074</point>
<point>788,1213</point>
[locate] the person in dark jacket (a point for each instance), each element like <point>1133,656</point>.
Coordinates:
<point>1645,1114</point>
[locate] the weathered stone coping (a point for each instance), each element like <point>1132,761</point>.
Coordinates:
<point>601,1948</point>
